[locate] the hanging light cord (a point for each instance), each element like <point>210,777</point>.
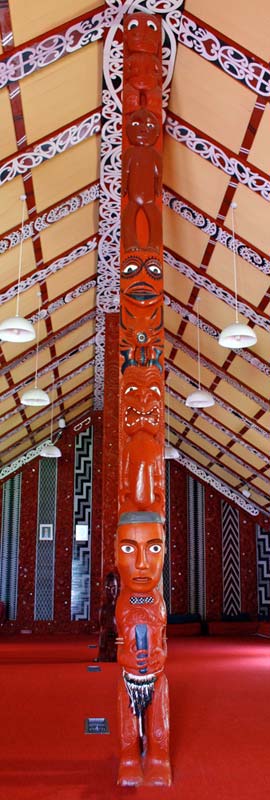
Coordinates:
<point>36,370</point>
<point>168,415</point>
<point>233,206</point>
<point>23,198</point>
<point>52,408</point>
<point>198,346</point>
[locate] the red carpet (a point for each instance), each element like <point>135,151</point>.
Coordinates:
<point>220,721</point>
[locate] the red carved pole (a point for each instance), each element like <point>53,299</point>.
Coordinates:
<point>143,706</point>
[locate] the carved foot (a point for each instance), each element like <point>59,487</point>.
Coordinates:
<point>157,772</point>
<point>130,773</point>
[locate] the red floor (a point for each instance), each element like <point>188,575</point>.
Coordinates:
<point>220,721</point>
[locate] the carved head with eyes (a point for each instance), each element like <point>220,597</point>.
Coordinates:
<point>141,400</point>
<point>142,128</point>
<point>140,550</point>
<point>142,32</point>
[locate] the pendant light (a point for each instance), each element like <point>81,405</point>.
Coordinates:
<point>36,396</point>
<point>201,398</point>
<point>170,451</point>
<point>50,450</point>
<point>238,334</point>
<point>17,329</point>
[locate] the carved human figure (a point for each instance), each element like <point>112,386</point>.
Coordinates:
<point>141,311</point>
<point>142,180</point>
<point>107,620</point>
<point>141,478</point>
<point>143,704</point>
<point>142,64</point>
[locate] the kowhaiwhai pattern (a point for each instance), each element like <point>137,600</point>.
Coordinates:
<point>203,281</point>
<point>41,222</point>
<point>220,447</point>
<point>44,151</point>
<point>229,164</point>
<point>220,486</point>
<point>253,74</point>
<point>215,232</point>
<point>39,277</point>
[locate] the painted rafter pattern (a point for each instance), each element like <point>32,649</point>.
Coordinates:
<point>180,345</point>
<point>220,157</point>
<point>224,450</point>
<point>245,420</point>
<point>236,62</point>
<point>216,232</point>
<point>203,474</point>
<point>39,222</point>
<point>48,148</point>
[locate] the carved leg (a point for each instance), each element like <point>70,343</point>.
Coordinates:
<point>130,772</point>
<point>153,216</point>
<point>130,239</point>
<point>157,767</point>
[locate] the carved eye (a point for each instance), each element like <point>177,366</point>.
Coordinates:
<point>131,389</point>
<point>134,123</point>
<point>130,269</point>
<point>127,548</point>
<point>132,24</point>
<point>153,268</point>
<point>155,389</point>
<point>151,24</point>
<point>155,548</point>
<point>150,125</point>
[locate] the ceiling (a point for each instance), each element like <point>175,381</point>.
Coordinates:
<point>216,151</point>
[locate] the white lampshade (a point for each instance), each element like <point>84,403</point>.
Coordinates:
<point>50,451</point>
<point>16,329</point>
<point>237,335</point>
<point>200,399</point>
<point>35,397</point>
<point>170,452</point>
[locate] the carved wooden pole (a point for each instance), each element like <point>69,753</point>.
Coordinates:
<point>143,706</point>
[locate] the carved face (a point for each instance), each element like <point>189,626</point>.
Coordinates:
<point>142,298</point>
<point>140,555</point>
<point>141,400</point>
<point>142,128</point>
<point>111,587</point>
<point>142,33</point>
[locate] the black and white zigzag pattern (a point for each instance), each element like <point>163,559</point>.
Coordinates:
<point>231,560</point>
<point>263,565</point>
<point>9,555</point>
<point>80,577</point>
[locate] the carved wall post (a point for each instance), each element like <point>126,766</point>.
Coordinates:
<point>143,707</point>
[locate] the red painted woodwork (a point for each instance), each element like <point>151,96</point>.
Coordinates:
<point>143,709</point>
<point>178,539</point>
<point>248,565</point>
<point>140,556</point>
<point>143,64</point>
<point>27,548</point>
<point>141,408</point>
<point>142,180</point>
<point>107,621</point>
